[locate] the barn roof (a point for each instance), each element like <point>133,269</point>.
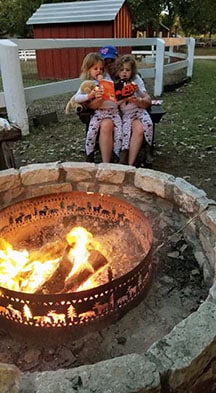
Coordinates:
<point>75,12</point>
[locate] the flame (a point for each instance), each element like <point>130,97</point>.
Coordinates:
<point>19,272</point>
<point>79,239</point>
<point>27,271</point>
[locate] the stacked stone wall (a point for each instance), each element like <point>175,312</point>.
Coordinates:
<point>184,360</point>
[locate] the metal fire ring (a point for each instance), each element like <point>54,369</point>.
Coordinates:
<point>25,220</point>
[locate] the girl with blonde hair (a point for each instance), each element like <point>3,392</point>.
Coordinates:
<point>93,69</point>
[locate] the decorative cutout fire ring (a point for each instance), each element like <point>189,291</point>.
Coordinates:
<point>35,222</point>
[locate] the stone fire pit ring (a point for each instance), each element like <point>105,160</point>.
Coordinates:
<point>179,362</point>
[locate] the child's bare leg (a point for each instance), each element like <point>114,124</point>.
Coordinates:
<point>106,139</point>
<point>136,141</point>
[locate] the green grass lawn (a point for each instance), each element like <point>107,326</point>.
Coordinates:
<point>191,117</point>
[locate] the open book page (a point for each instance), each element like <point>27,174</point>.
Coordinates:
<point>116,91</point>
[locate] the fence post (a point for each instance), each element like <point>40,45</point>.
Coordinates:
<point>159,65</point>
<point>13,85</point>
<point>191,46</point>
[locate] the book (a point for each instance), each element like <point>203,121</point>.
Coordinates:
<point>109,90</point>
<point>116,91</point>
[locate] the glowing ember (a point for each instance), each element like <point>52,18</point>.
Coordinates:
<point>28,271</point>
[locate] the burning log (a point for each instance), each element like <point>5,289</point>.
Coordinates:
<point>38,266</point>
<point>55,283</point>
<point>58,282</point>
<point>96,261</point>
<point>51,250</point>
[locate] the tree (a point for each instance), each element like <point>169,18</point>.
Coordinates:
<point>145,13</point>
<point>14,15</point>
<point>170,13</point>
<point>197,16</point>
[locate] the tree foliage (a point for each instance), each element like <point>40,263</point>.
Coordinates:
<point>197,16</point>
<point>145,13</point>
<point>194,16</point>
<point>170,14</point>
<point>14,15</point>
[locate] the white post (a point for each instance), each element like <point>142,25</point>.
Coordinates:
<point>159,65</point>
<point>13,85</point>
<point>190,46</point>
<point>170,54</point>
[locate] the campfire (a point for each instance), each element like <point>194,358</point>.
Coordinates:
<point>55,267</point>
<point>72,259</point>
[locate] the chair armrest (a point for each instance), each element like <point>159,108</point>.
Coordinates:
<point>85,115</point>
<point>156,112</point>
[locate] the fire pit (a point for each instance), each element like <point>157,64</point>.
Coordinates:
<point>72,259</point>
<point>167,341</point>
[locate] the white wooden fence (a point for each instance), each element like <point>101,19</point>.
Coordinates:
<point>16,98</point>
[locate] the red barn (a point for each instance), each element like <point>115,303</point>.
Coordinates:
<point>79,19</point>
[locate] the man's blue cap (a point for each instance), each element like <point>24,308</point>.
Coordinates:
<point>108,52</point>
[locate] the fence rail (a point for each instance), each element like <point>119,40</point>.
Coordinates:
<point>16,98</point>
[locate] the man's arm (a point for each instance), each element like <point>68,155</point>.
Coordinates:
<point>142,102</point>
